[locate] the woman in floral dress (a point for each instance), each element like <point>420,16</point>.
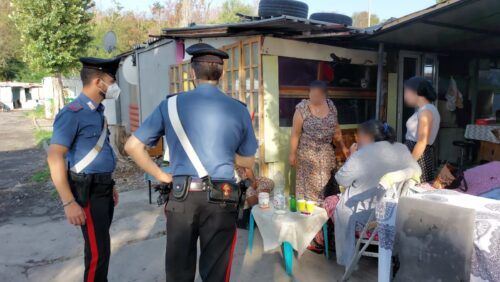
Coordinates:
<point>315,127</point>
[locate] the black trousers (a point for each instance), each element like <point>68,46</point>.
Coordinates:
<point>99,214</point>
<point>214,225</point>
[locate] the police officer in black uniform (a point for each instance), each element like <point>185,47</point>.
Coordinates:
<point>81,161</point>
<point>203,201</point>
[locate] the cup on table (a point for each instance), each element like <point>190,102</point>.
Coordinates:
<point>342,189</point>
<point>264,200</point>
<point>301,205</point>
<point>310,206</point>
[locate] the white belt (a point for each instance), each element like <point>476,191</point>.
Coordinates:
<point>92,154</point>
<point>183,139</point>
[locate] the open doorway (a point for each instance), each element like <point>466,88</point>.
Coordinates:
<point>409,66</point>
<point>413,64</point>
<point>16,97</point>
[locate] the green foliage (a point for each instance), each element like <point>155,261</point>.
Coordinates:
<point>360,19</point>
<point>42,135</point>
<point>54,33</point>
<point>10,68</point>
<point>38,112</point>
<point>41,38</point>
<point>10,44</point>
<point>9,38</point>
<point>41,176</point>
<point>17,70</point>
<point>130,29</point>
<point>54,195</point>
<point>229,9</point>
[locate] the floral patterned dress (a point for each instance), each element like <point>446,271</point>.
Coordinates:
<point>315,155</point>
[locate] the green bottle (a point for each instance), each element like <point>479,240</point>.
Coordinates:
<point>293,203</point>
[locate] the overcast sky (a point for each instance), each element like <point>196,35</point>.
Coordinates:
<point>383,8</point>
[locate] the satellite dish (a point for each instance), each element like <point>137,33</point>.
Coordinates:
<point>130,71</point>
<point>109,41</point>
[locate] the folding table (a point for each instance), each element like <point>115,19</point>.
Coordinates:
<point>291,230</point>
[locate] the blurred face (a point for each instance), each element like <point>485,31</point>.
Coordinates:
<point>410,97</point>
<point>103,82</point>
<point>317,96</point>
<point>364,139</point>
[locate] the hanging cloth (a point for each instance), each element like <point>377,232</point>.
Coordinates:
<point>454,98</point>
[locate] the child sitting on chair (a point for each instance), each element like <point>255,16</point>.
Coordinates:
<point>257,184</point>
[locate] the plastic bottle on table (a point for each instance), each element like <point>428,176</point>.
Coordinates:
<point>279,200</point>
<point>293,203</point>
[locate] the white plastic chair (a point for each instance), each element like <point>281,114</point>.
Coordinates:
<point>395,185</point>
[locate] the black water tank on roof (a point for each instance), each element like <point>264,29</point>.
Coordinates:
<point>332,18</point>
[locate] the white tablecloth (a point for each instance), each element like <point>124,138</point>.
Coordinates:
<point>485,264</point>
<point>297,229</point>
<point>481,132</point>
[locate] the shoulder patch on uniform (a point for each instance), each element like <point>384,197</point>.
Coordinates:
<point>75,106</point>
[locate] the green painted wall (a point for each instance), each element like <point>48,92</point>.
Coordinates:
<point>276,139</point>
<point>271,108</point>
<point>392,99</point>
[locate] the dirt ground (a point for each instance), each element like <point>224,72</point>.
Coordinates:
<point>21,158</point>
<point>37,243</point>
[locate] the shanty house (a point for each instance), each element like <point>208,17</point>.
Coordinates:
<point>273,60</point>
<point>20,95</point>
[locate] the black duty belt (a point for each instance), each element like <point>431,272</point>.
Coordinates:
<point>197,185</point>
<point>93,177</point>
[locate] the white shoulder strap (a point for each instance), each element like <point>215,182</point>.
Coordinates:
<point>92,154</point>
<point>181,134</point>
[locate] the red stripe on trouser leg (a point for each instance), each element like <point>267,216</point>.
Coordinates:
<point>94,253</point>
<point>233,246</point>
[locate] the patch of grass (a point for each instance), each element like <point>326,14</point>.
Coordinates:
<point>38,112</point>
<point>42,135</point>
<point>41,176</point>
<point>53,194</point>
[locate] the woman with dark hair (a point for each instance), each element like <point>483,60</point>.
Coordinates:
<point>375,155</point>
<point>423,126</point>
<point>315,127</point>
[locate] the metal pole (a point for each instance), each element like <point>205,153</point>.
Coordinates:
<point>380,64</point>
<point>369,12</point>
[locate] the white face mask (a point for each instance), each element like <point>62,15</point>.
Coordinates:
<point>113,91</point>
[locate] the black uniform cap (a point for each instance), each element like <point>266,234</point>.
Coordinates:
<point>202,52</point>
<point>108,66</point>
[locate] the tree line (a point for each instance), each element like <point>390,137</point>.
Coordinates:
<point>46,37</point>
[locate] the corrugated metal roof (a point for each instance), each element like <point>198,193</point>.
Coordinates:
<point>455,25</point>
<point>279,26</point>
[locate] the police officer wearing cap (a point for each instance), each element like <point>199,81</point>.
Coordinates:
<point>81,161</point>
<point>219,131</point>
